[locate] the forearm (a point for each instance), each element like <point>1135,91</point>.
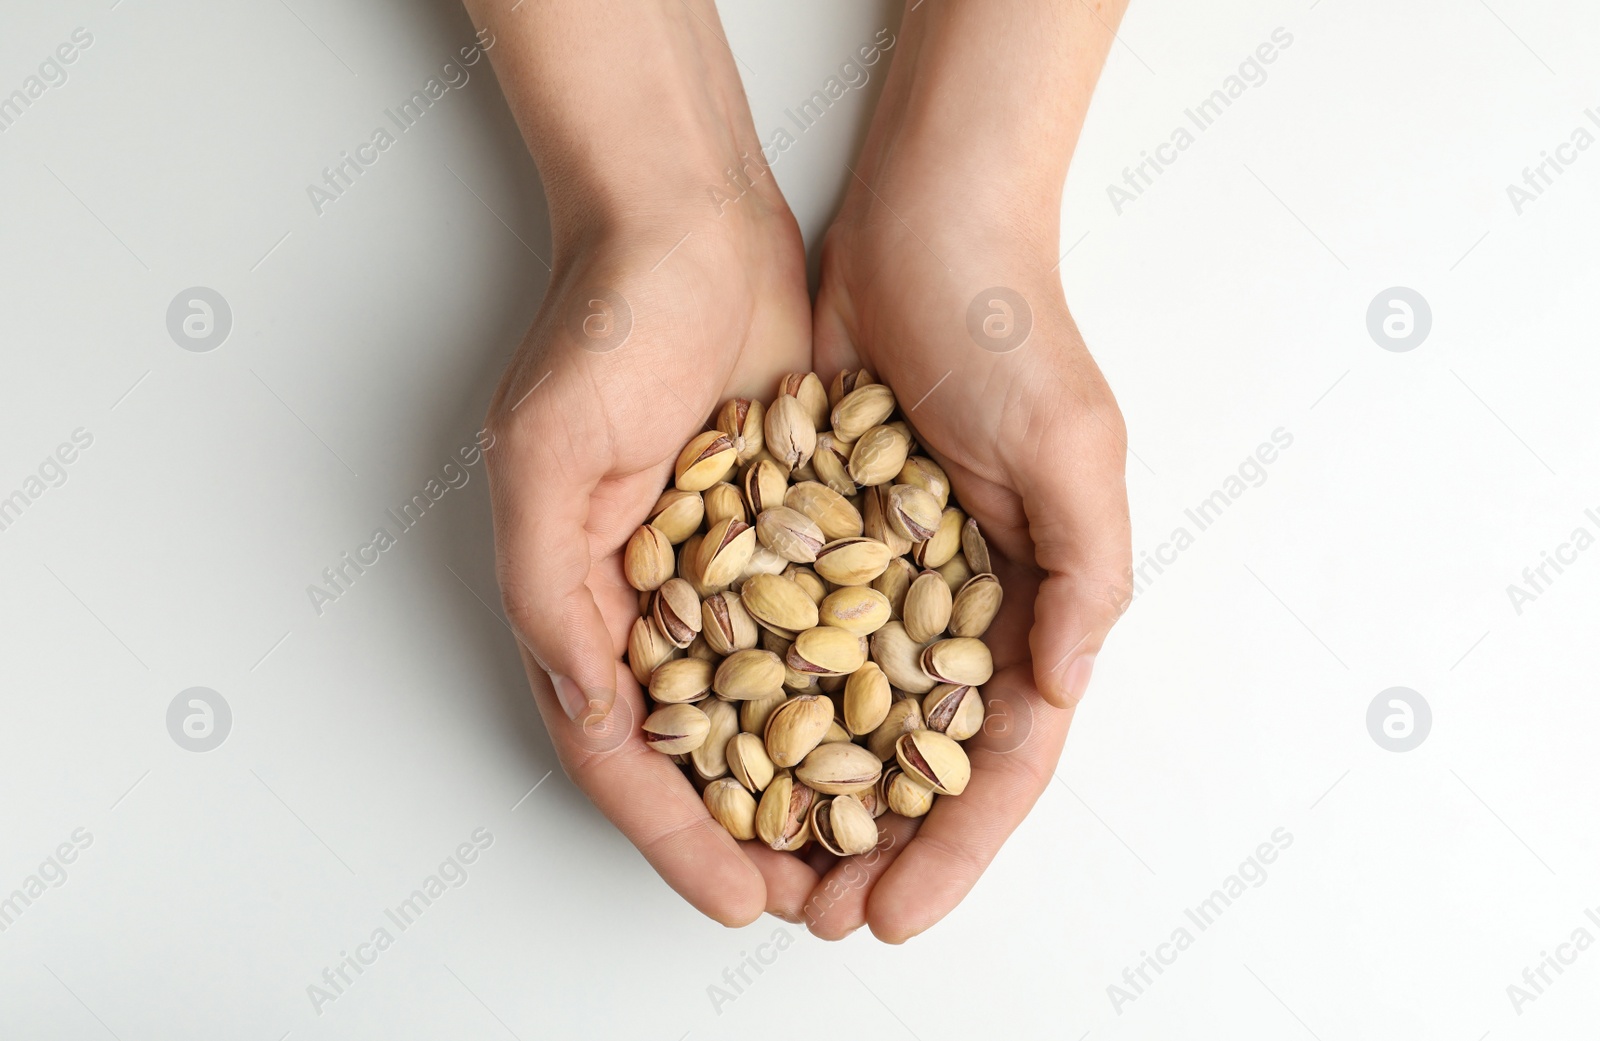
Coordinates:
<point>990,97</point>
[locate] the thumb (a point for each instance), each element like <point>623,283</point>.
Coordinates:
<point>1078,519</point>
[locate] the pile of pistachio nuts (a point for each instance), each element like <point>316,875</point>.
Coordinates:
<point>812,603</point>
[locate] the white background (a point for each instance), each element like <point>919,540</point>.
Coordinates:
<point>1227,301</point>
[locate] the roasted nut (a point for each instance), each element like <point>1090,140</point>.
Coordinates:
<point>765,486</point>
<point>676,611</point>
<point>647,561</point>
<point>783,817</point>
<point>806,387</point>
<point>907,796</point>
<point>829,510</point>
<point>647,648</point>
<point>926,611</point>
<point>873,800</point>
<point>725,624</point>
<point>975,547</point>
<point>723,500</point>
<point>826,651</point>
<point>790,534</point>
<point>702,650</point>
<point>753,715</point>
<point>934,760</point>
<point>858,610</point>
<point>704,461</point>
<point>929,476</point>
<point>807,579</point>
<point>904,717</point>
<point>748,761</point>
<point>733,807</point>
<point>894,583</point>
<point>861,410</point>
<point>741,419</point>
<point>961,659</point>
<point>954,710</point>
<point>710,760</point>
<point>779,604</point>
<point>749,675</point>
<point>879,454</point>
<point>796,727</point>
<point>681,680</point>
<point>901,659</point>
<point>677,514</point>
<point>975,606</point>
<point>866,699</point>
<point>791,433</point>
<point>762,562</point>
<point>836,732</point>
<point>845,382</point>
<point>913,513</point>
<point>725,552</point>
<point>843,826</point>
<point>831,461</point>
<point>838,768</point>
<point>956,573</point>
<point>675,729</point>
<point>852,562</point>
<point>945,543</point>
<point>875,521</point>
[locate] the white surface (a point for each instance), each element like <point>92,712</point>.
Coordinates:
<point>372,740</point>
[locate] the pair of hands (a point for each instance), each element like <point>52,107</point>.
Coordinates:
<point>657,314</point>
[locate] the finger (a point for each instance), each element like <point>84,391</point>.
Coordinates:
<point>1078,520</point>
<point>789,879</point>
<point>651,802</point>
<point>837,906</point>
<point>960,836</point>
<point>541,489</point>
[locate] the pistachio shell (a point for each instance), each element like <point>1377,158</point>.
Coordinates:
<point>866,699</point>
<point>725,552</point>
<point>648,647</point>
<point>875,521</point>
<point>791,434</point>
<point>861,410</point>
<point>749,675</point>
<point>807,388</point>
<point>710,760</point>
<point>702,650</point>
<point>859,610</point>
<point>723,500</point>
<point>675,609</point>
<point>956,573</point>
<point>908,796</point>
<point>835,768</point>
<point>975,547</point>
<point>807,579</point>
<point>741,419</point>
<point>912,512</point>
<point>753,715</point>
<point>675,729</point>
<point>927,607</point>
<point>748,761</point>
<point>945,543</point>
<point>873,800</point>
<point>762,562</point>
<point>903,717</point>
<point>783,815</point>
<point>901,659</point>
<point>975,606</point>
<point>790,534</point>
<point>778,603</point>
<point>927,475</point>
<point>879,454</point>
<point>647,561</point>
<point>677,514</point>
<point>826,650</point>
<point>725,624</point>
<point>934,760</point>
<point>846,381</point>
<point>765,486</point>
<point>961,659</point>
<point>853,562</point>
<point>955,710</point>
<point>828,509</point>
<point>733,807</point>
<point>681,680</point>
<point>844,826</point>
<point>894,583</point>
<point>796,727</point>
<point>704,461</point>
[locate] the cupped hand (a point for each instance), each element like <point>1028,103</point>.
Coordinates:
<point>961,312</point>
<point>645,330</point>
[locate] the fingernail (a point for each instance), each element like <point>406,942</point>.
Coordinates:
<point>1078,678</point>
<point>573,700</point>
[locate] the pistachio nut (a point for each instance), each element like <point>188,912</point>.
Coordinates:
<point>954,710</point>
<point>783,817</point>
<point>879,455</point>
<point>762,562</point>
<point>778,603</point>
<point>675,729</point>
<point>749,675</point>
<point>741,419</point>
<point>704,461</point>
<point>724,622</point>
<point>647,648</point>
<point>912,512</point>
<point>945,543</point>
<point>859,610</point>
<point>753,715</point>
<point>807,388</point>
<point>975,606</point>
<point>843,826</point>
<point>677,514</point>
<point>873,799</point>
<point>839,767</point>
<point>927,475</point>
<point>961,659</point>
<point>765,486</point>
<point>894,583</point>
<point>861,410</point>
<point>866,699</point>
<point>689,560</point>
<point>956,573</point>
<point>698,648</point>
<point>790,534</point>
<point>875,521</point>
<point>776,641</point>
<point>681,680</point>
<point>852,562</point>
<point>796,727</point>
<point>907,796</point>
<point>829,510</point>
<point>748,761</point>
<point>710,760</point>
<point>975,548</point>
<point>791,434</point>
<point>725,552</point>
<point>732,806</point>
<point>934,760</point>
<point>723,500</point>
<point>827,650</point>
<point>796,682</point>
<point>831,461</point>
<point>904,717</point>
<point>901,659</point>
<point>926,611</point>
<point>807,579</point>
<point>846,381</point>
<point>647,561</point>
<point>676,611</point>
